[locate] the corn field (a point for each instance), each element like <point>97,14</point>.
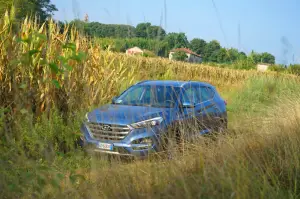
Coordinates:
<point>42,67</point>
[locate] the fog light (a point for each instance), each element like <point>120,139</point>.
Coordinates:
<point>147,141</point>
<point>142,144</point>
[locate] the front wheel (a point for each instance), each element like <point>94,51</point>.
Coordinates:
<point>172,142</point>
<point>221,126</point>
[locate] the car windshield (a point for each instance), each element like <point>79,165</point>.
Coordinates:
<point>146,95</point>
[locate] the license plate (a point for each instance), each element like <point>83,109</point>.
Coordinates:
<point>105,146</point>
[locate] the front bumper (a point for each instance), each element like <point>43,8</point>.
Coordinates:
<point>125,147</point>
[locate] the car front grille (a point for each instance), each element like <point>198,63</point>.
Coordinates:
<point>113,132</point>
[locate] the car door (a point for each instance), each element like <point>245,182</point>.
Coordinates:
<point>191,117</point>
<point>208,110</point>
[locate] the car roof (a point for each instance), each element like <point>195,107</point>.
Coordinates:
<point>172,83</point>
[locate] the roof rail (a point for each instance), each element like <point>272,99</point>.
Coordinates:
<point>185,83</point>
<point>140,82</point>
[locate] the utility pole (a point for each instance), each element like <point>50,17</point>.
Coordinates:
<point>239,37</point>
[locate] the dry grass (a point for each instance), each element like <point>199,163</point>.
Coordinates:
<point>42,68</point>
<point>255,163</point>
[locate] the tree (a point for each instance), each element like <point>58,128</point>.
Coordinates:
<point>211,51</point>
<point>40,8</point>
<point>242,56</point>
<point>255,57</point>
<point>198,45</point>
<point>177,40</point>
<point>267,58</point>
<point>104,30</point>
<point>142,29</point>
<point>233,54</point>
<point>146,30</point>
<point>263,57</point>
<point>156,32</point>
<point>222,55</point>
<point>179,56</point>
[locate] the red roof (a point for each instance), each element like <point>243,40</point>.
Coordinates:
<point>186,50</point>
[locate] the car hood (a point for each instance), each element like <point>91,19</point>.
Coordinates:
<point>123,114</point>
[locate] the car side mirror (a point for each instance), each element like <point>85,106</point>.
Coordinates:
<point>188,105</point>
<point>113,101</point>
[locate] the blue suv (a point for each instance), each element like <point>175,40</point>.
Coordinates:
<point>137,121</point>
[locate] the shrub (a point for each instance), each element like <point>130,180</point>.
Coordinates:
<point>180,56</point>
<point>294,69</point>
<point>277,68</point>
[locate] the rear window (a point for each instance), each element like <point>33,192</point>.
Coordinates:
<point>211,92</point>
<point>206,93</point>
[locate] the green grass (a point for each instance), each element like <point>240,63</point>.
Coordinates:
<point>257,158</point>
<point>44,96</point>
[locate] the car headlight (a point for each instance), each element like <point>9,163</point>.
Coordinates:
<point>87,117</point>
<point>147,123</point>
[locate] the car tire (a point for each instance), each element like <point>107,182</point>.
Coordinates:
<point>222,126</point>
<point>171,143</point>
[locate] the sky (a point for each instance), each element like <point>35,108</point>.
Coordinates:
<point>259,25</point>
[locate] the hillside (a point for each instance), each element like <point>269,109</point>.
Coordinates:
<point>49,80</point>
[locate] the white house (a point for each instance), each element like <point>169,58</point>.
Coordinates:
<point>262,67</point>
<point>134,50</point>
<point>192,57</point>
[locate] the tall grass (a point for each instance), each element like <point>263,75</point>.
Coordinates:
<point>49,78</point>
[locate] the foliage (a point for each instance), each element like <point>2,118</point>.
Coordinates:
<point>177,40</point>
<point>41,8</point>
<point>142,30</point>
<point>244,64</point>
<point>277,68</point>
<point>146,30</point>
<point>262,58</point>
<point>198,45</point>
<point>121,45</point>
<point>154,38</point>
<point>148,53</point>
<point>211,51</point>
<point>179,56</point>
<point>294,69</point>
<point>267,58</point>
<point>222,56</point>
<point>96,29</point>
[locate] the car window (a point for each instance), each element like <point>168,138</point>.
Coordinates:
<point>136,93</point>
<point>206,93</point>
<point>211,92</point>
<point>191,95</point>
<point>146,95</point>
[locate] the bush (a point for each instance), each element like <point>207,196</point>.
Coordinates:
<point>277,68</point>
<point>294,69</point>
<point>148,53</point>
<point>180,56</point>
<point>246,64</point>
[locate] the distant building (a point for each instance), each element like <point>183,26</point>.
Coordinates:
<point>86,18</point>
<point>262,67</point>
<point>192,56</point>
<point>134,50</point>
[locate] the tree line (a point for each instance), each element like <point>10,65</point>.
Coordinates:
<point>144,35</point>
<point>42,9</point>
<point>155,38</point>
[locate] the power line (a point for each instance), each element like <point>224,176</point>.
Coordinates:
<point>220,21</point>
<point>165,7</point>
